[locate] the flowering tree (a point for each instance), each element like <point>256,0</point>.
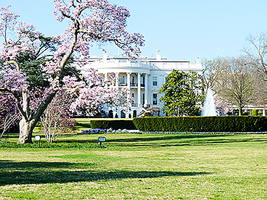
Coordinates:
<point>236,81</point>
<point>222,105</point>
<point>8,113</point>
<point>89,21</point>
<point>93,99</point>
<point>57,116</point>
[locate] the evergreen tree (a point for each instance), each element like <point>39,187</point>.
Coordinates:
<point>182,93</point>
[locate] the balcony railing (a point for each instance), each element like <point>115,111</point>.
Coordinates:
<point>135,84</point>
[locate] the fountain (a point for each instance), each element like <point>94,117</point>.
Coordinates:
<point>209,106</point>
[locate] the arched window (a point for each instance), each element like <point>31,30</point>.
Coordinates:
<point>134,113</point>
<point>122,114</point>
<point>110,114</point>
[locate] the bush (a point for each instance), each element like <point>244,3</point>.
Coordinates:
<point>202,124</point>
<point>254,112</point>
<point>147,114</point>
<point>244,113</point>
<point>114,124</point>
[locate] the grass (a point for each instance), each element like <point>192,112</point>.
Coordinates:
<point>136,166</point>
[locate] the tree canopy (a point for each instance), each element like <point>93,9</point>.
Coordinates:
<point>182,93</point>
<point>90,21</point>
<point>235,80</point>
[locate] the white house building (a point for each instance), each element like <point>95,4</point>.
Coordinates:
<point>143,77</point>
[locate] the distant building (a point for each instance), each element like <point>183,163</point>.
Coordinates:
<point>143,77</point>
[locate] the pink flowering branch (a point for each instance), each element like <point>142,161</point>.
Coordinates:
<point>90,21</point>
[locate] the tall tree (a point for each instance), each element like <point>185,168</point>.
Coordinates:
<point>182,93</point>
<point>89,21</point>
<point>235,81</point>
<point>257,52</point>
<point>211,71</point>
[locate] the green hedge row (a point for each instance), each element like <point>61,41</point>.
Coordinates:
<point>114,124</point>
<point>202,124</point>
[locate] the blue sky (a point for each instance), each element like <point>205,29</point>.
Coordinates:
<point>181,29</point>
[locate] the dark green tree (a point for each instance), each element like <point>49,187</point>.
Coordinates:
<point>31,63</point>
<point>182,93</point>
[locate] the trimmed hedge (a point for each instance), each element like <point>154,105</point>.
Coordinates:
<point>202,124</point>
<point>114,124</point>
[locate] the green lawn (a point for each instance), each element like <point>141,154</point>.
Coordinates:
<point>136,166</point>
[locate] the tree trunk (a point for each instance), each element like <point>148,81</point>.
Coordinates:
<point>240,110</point>
<point>25,132</point>
<point>29,120</point>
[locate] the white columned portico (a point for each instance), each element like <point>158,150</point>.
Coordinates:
<point>139,89</point>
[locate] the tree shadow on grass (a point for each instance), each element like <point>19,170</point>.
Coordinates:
<point>35,173</point>
<point>11,165</point>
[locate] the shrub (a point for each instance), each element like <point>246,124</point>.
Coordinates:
<point>202,124</point>
<point>244,113</point>
<point>254,112</point>
<point>147,114</point>
<point>114,124</point>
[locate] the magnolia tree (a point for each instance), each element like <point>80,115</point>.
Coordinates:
<point>89,21</point>
<point>8,112</point>
<point>222,105</point>
<point>93,99</point>
<point>57,116</point>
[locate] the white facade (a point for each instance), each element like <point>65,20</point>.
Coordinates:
<point>143,77</point>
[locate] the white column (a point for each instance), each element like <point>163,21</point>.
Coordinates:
<point>117,79</point>
<point>128,80</point>
<point>139,90</point>
<point>146,90</point>
<point>129,94</point>
<point>119,113</point>
<point>264,112</point>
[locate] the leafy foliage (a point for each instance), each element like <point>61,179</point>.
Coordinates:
<point>182,93</point>
<point>29,59</point>
<point>254,112</point>
<point>202,124</point>
<point>115,124</point>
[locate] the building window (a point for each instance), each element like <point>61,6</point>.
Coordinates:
<point>143,99</point>
<point>122,80</point>
<point>155,99</point>
<point>155,81</point>
<point>133,99</point>
<point>142,81</point>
